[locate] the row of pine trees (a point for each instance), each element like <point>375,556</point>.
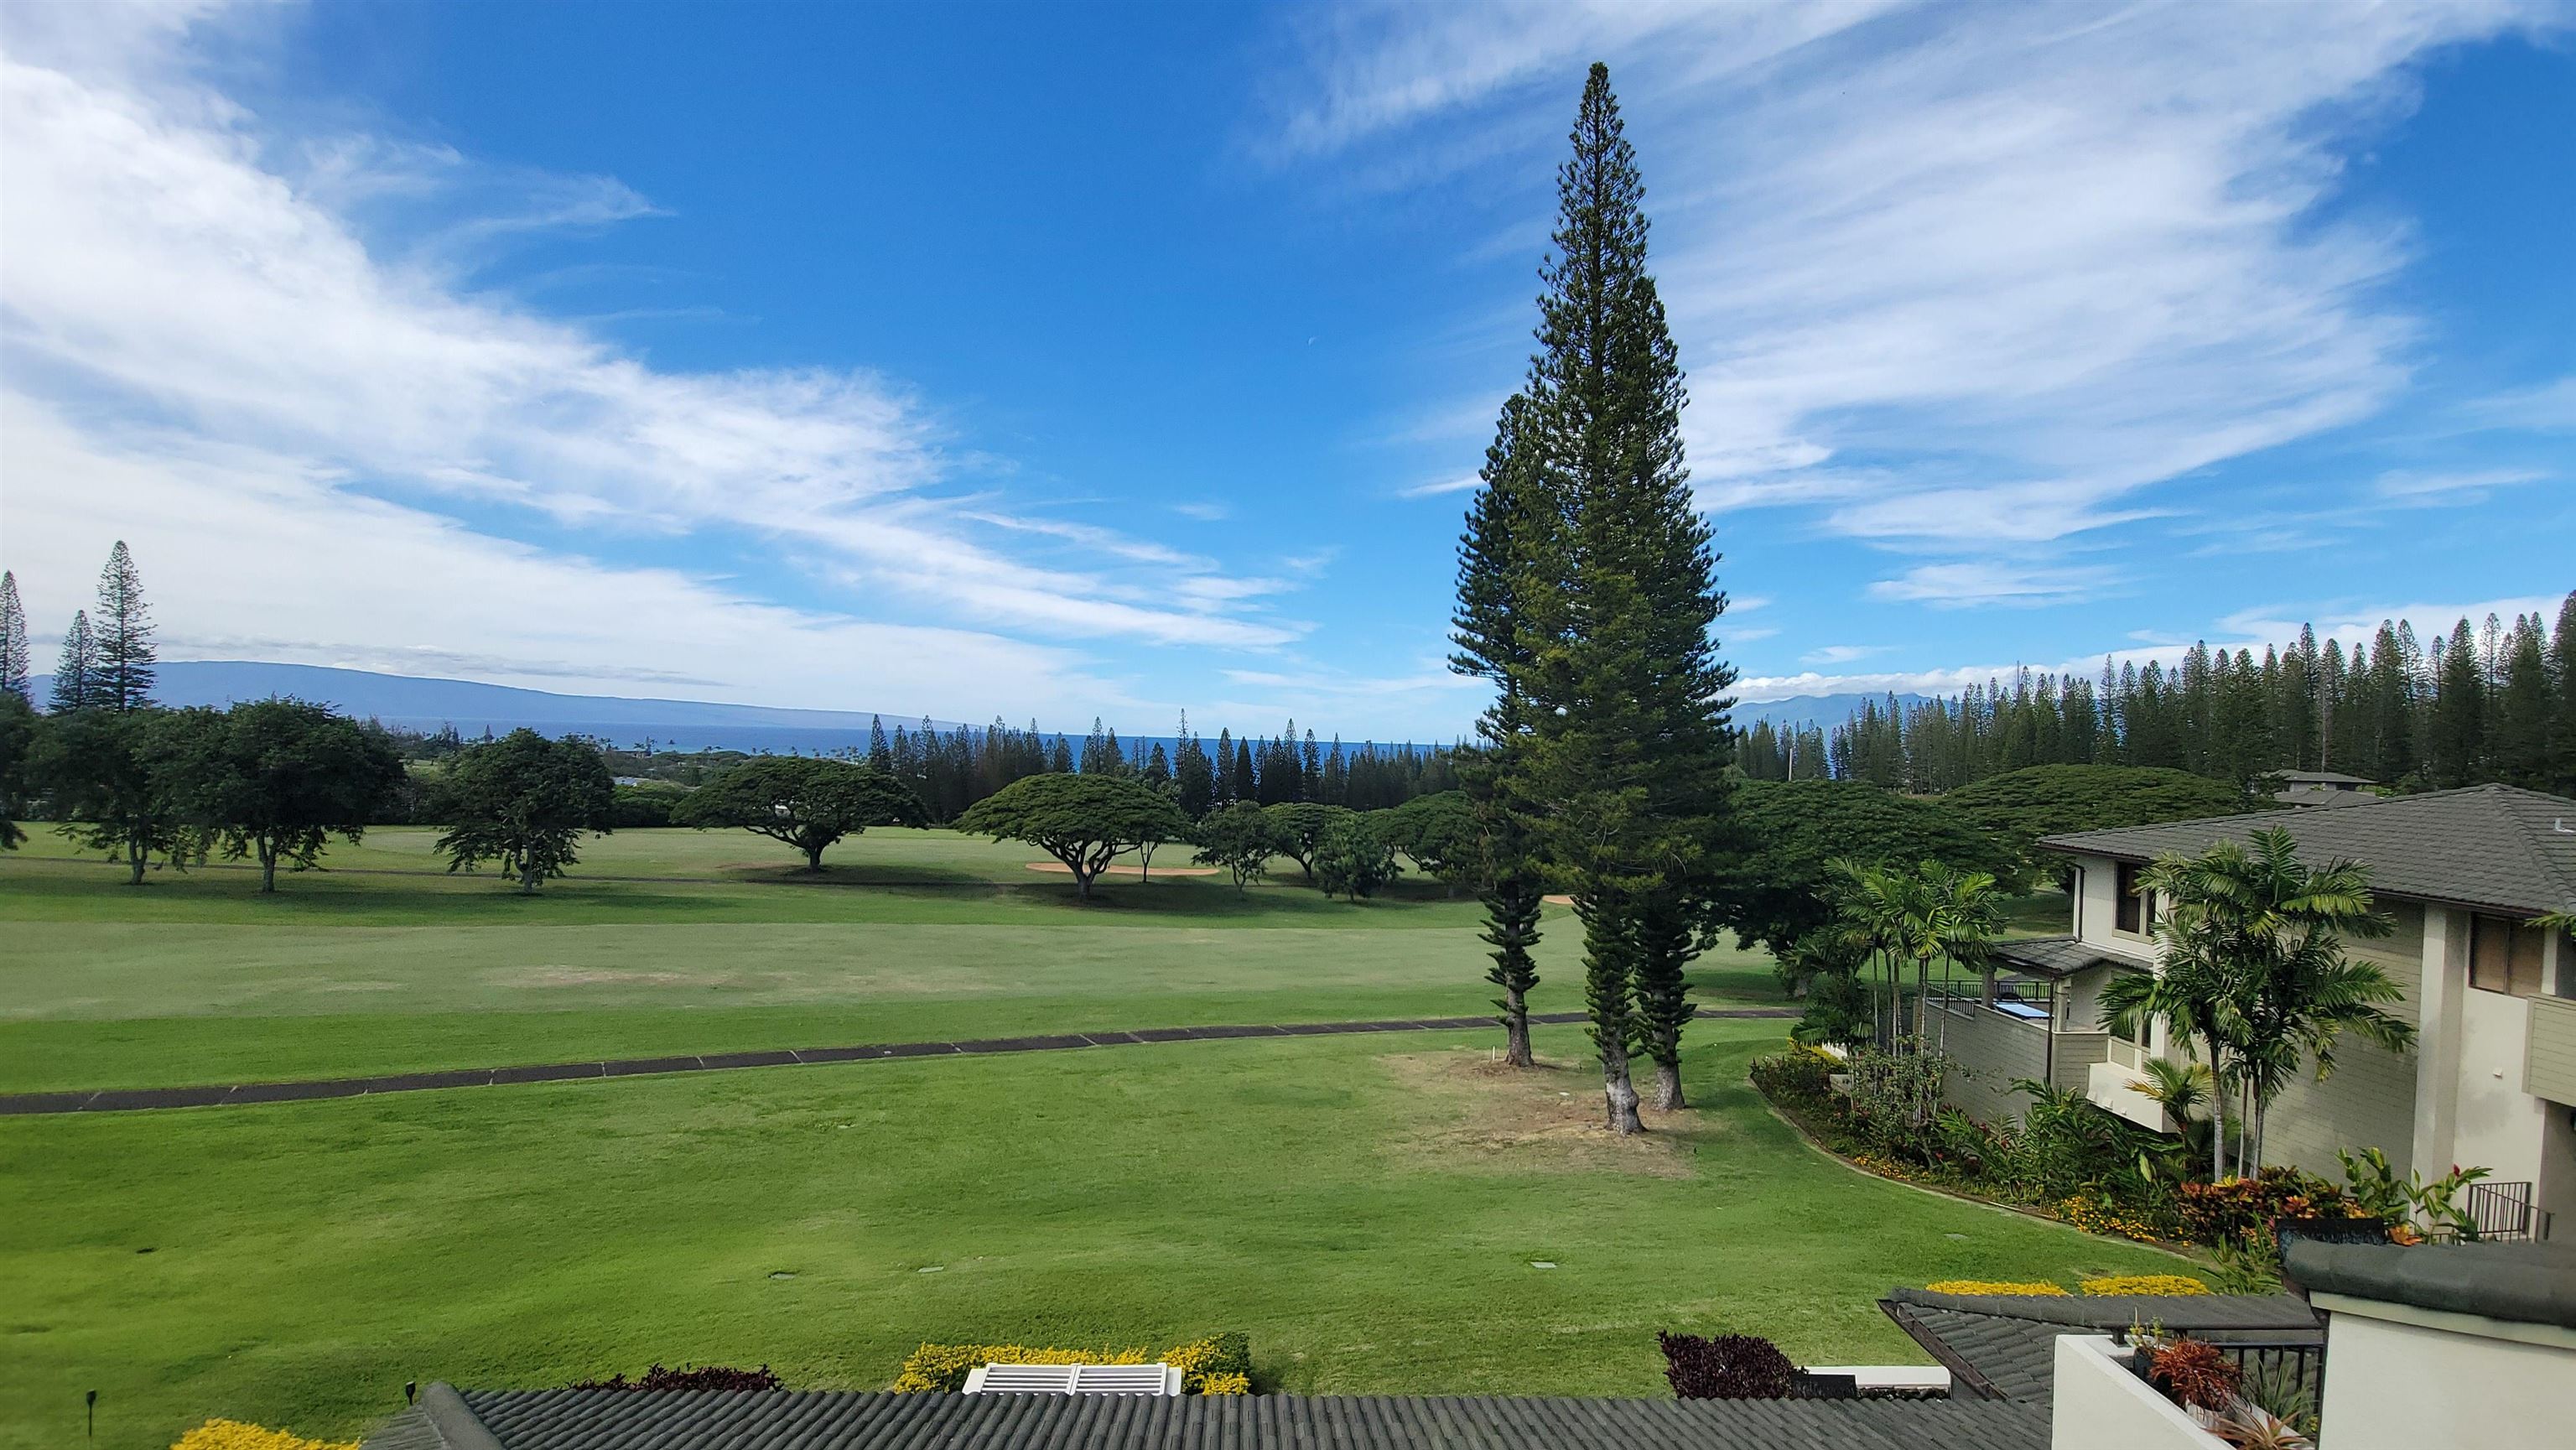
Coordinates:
<point>952,769</point>
<point>2490,704</point>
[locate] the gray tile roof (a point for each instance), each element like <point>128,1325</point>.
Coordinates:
<point>2529,1283</point>
<point>2484,846</point>
<point>831,1420</point>
<point>2052,956</point>
<point>2007,1344</point>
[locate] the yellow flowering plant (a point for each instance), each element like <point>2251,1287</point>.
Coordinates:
<point>2163,1284</point>
<point>2030,1289</point>
<point>236,1435</point>
<point>1220,1364</point>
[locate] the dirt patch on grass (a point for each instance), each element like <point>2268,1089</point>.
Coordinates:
<point>599,977</point>
<point>1061,869</point>
<point>1558,900</point>
<point>1479,1114</point>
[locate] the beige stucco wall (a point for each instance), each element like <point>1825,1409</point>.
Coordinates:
<point>1991,1050</point>
<point>2404,1386</point>
<point>2370,1100</point>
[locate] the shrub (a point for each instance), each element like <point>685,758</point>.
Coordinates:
<point>705,1377</point>
<point>1220,1364</point>
<point>2194,1372</point>
<point>1995,1286</point>
<point>2101,1216</point>
<point>2146,1284</point>
<point>2233,1209</point>
<point>1728,1367</point>
<point>235,1435</point>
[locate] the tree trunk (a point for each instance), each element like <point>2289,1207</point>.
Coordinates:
<point>814,858</point>
<point>1619,1092</point>
<point>1516,1041</point>
<point>267,867</point>
<point>528,879</point>
<point>134,865</point>
<point>1668,1086</point>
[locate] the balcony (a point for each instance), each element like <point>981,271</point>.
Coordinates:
<point>2549,1050</point>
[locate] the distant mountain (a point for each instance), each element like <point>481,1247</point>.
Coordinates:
<point>415,703</point>
<point>1826,711</point>
<point>428,705</point>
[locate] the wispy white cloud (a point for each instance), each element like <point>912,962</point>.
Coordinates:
<point>2416,487</point>
<point>1436,487</point>
<point>1841,654</point>
<point>177,275</point>
<point>1956,277</point>
<point>1959,585</point>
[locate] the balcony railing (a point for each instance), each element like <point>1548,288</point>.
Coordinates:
<point>2504,1211</point>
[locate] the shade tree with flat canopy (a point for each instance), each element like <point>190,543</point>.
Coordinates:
<point>1083,821</point>
<point>802,801</point>
<point>1301,827</point>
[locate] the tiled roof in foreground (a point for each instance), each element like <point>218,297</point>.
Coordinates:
<point>2007,1344</point>
<point>835,1420</point>
<point>2486,845</point>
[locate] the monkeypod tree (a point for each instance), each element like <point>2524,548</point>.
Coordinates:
<point>1439,832</point>
<point>276,779</point>
<point>108,778</point>
<point>1083,821</point>
<point>2020,806</point>
<point>1301,827</point>
<point>525,802</point>
<point>17,744</point>
<point>1353,860</point>
<point>801,801</point>
<point>1241,839</point>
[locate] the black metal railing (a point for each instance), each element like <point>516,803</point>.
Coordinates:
<point>2287,1364</point>
<point>2502,1211</point>
<point>2298,1367</point>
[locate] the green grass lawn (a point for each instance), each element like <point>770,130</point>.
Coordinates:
<point>1367,1209</point>
<point>197,978</point>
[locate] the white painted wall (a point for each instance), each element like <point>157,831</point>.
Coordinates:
<point>2495,1124</point>
<point>2394,1385</point>
<point>2099,1405</point>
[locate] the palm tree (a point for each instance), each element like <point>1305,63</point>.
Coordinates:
<point>2250,962</point>
<point>1874,903</point>
<point>1932,912</point>
<point>1959,914</point>
<point>2188,993</point>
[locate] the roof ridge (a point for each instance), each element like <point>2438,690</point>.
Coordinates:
<point>2540,851</point>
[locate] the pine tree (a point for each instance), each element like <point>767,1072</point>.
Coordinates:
<point>2455,747</point>
<point>880,754</point>
<point>76,671</point>
<point>2521,740</point>
<point>15,661</point>
<point>124,635</point>
<point>2562,702</point>
<point>1630,738</point>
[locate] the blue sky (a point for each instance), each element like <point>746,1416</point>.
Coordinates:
<point>1054,361</point>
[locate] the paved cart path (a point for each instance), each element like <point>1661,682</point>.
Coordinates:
<point>115,1100</point>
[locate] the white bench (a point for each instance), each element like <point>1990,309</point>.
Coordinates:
<point>1073,1379</point>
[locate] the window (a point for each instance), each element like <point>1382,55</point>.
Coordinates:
<point>2135,911</point>
<point>2504,956</point>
